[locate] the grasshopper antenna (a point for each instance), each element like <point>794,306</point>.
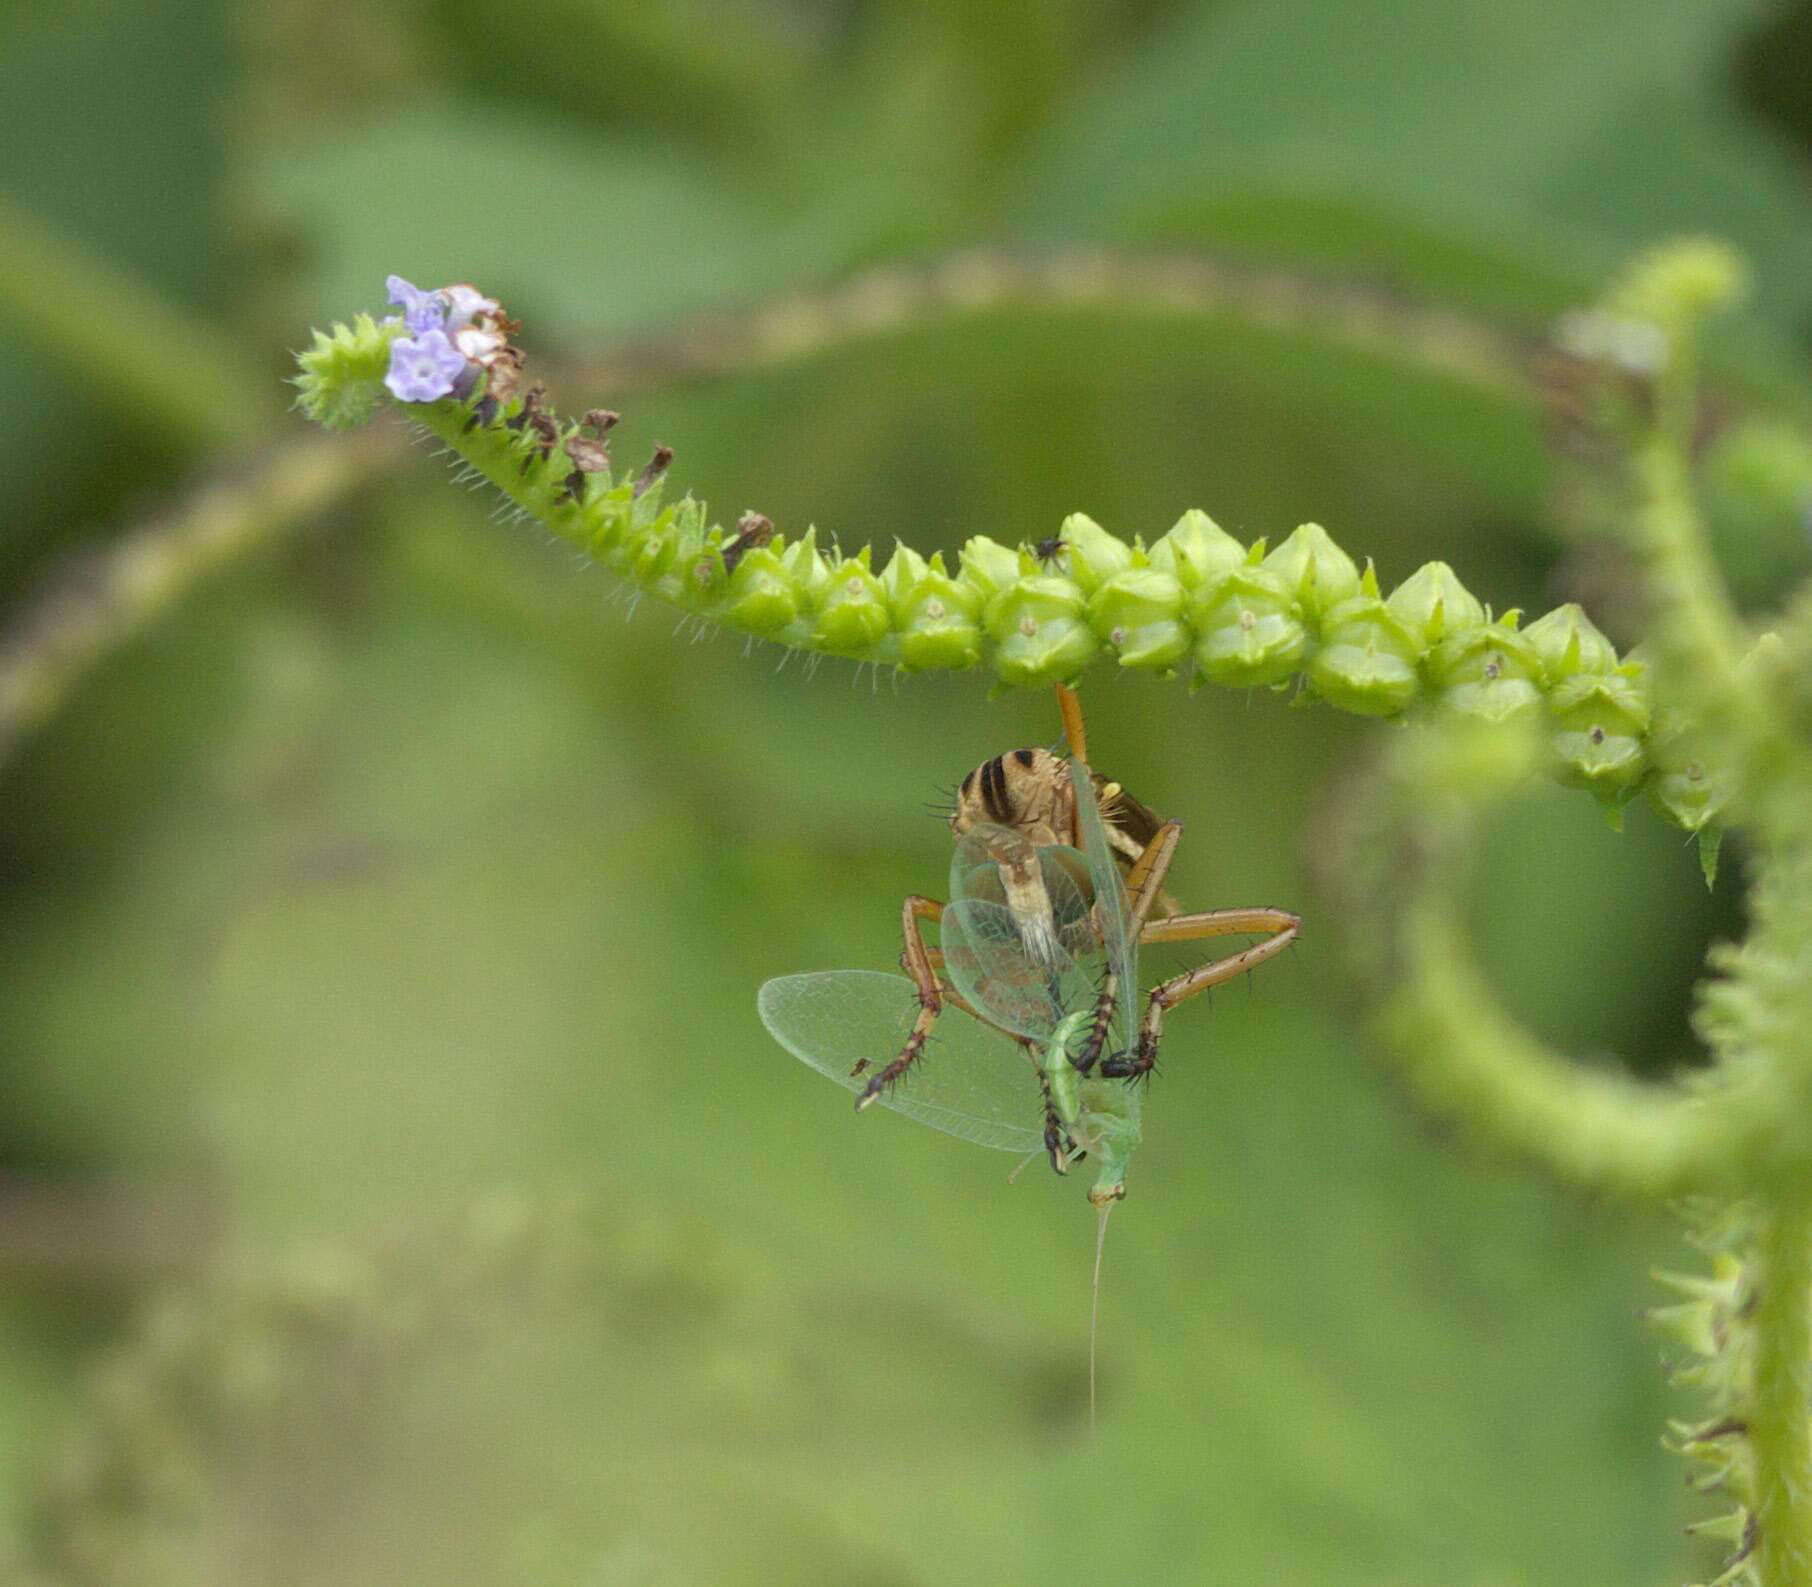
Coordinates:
<point>1070,704</point>
<point>1094,1313</point>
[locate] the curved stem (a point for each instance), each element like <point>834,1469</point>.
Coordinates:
<point>1469,1061</point>
<point>1401,866</point>
<point>1781,1434</point>
<point>80,616</point>
<point>1695,630</point>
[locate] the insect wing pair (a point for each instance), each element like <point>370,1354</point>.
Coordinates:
<point>976,1081</point>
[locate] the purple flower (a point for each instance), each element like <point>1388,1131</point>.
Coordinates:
<point>422,311</point>
<point>424,367</point>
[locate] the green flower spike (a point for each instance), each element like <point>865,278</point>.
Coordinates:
<point>1196,601</point>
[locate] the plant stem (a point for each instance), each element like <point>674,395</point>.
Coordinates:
<point>1696,630</point>
<point>1781,1436</point>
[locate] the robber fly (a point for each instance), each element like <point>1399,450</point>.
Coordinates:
<point>1032,990</point>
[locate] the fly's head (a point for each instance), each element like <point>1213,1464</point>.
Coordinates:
<point>1026,790</point>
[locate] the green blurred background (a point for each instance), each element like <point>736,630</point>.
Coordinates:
<point>395,1182</point>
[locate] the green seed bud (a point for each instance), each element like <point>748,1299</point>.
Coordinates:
<point>1690,1324</point>
<point>1569,642</point>
<point>762,599</point>
<point>1730,1529</point>
<point>1315,570</point>
<point>1599,722</point>
<point>852,613</point>
<point>806,568</point>
<point>1197,551</point>
<point>1490,672</point>
<point>1249,629</point>
<point>988,566</point>
<point>651,556</point>
<point>606,520</point>
<point>1040,631</point>
<point>1139,612</point>
<point>1684,787</point>
<point>934,614</point>
<point>678,579</point>
<point>1434,603</point>
<point>1094,554</point>
<point>1367,660</point>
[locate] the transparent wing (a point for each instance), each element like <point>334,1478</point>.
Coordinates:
<point>975,870</point>
<point>1020,971</point>
<point>971,1082</point>
<point>1111,908</point>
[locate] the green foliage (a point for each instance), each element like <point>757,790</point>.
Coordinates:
<point>355,864</point>
<point>1735,1131</point>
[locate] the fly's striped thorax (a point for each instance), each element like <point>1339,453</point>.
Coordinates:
<point>1027,802</point>
<point>1029,791</point>
<point>1025,790</point>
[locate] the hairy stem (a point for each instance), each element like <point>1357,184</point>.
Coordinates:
<point>93,605</point>
<point>1468,1060</point>
<point>1695,630</point>
<point>1781,1436</point>
<point>1400,862</point>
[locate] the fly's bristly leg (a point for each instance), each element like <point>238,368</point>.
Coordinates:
<point>915,959</point>
<point>1069,707</point>
<point>1281,928</point>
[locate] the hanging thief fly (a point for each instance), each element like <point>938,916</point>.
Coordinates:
<point>1057,880</point>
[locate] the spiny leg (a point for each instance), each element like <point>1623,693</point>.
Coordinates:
<point>1143,884</point>
<point>1282,927</point>
<point>1057,1140</point>
<point>915,959</point>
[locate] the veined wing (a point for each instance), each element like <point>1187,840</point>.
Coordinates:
<point>1112,912</point>
<point>971,1082</point>
<point>1018,936</point>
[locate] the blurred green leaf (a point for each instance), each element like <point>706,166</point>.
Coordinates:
<point>1564,135</point>
<point>424,907</point>
<point>725,79</point>
<point>115,111</point>
<point>582,234</point>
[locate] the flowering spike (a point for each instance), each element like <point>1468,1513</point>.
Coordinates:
<point>1195,600</point>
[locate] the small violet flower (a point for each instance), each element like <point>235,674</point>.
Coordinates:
<point>425,367</point>
<point>455,334</point>
<point>422,311</point>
